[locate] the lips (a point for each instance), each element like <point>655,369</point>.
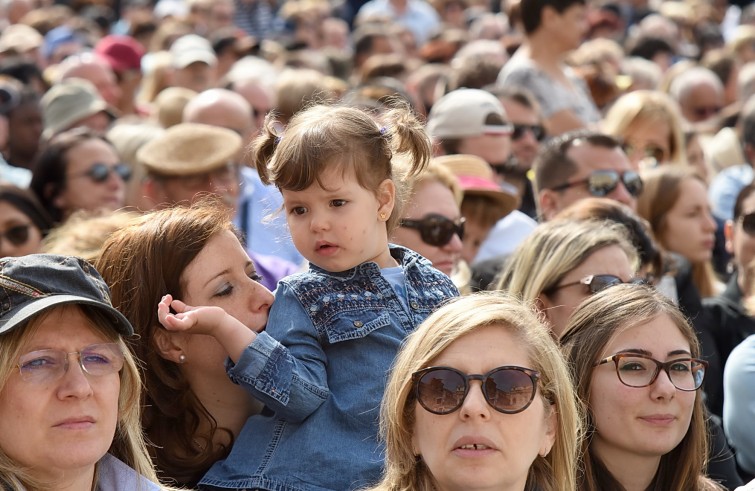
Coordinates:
<point>659,419</point>
<point>75,423</point>
<point>473,443</point>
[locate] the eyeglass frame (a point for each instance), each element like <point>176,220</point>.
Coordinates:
<point>114,347</point>
<point>620,177</point>
<point>418,224</point>
<point>658,366</point>
<point>120,169</point>
<point>588,280</point>
<point>537,130</point>
<point>533,375</point>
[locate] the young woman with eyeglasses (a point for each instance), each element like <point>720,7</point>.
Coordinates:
<point>636,365</point>
<point>79,170</point>
<point>23,222</point>
<point>563,262</point>
<point>480,398</point>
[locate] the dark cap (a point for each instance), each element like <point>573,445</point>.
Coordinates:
<point>30,285</point>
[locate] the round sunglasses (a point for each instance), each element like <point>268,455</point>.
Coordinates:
<point>436,230</point>
<point>600,183</point>
<point>100,172</point>
<point>507,389</point>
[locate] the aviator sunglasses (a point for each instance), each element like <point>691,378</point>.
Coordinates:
<point>507,389</point>
<point>100,172</point>
<point>601,182</point>
<point>598,282</point>
<point>537,131</point>
<point>436,230</point>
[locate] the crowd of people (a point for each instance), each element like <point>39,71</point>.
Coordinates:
<point>383,245</point>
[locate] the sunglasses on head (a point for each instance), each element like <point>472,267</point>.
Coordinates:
<point>508,389</point>
<point>748,223</point>
<point>519,129</point>
<point>599,282</point>
<point>100,172</point>
<point>436,230</point>
<point>600,183</point>
<point>17,234</point>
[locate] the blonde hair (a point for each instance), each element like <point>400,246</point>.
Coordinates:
<point>555,248</point>
<point>85,232</point>
<point>128,443</point>
<point>648,106</point>
<point>462,316</point>
<point>350,138</point>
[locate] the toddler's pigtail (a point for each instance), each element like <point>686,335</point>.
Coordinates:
<point>408,136</point>
<point>264,146</point>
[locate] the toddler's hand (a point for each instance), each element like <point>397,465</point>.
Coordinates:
<point>198,320</point>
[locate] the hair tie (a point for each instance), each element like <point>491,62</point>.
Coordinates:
<point>383,130</point>
<point>278,139</point>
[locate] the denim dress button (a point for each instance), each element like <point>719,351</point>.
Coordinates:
<point>358,323</point>
<point>414,305</point>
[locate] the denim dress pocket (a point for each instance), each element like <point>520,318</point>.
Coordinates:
<point>356,325</point>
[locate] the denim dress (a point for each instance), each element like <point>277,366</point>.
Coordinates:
<point>321,368</point>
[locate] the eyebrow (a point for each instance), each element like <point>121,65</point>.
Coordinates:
<point>648,353</point>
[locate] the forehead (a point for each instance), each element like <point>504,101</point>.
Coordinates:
<point>658,335</point>
<point>519,113</point>
<point>590,158</point>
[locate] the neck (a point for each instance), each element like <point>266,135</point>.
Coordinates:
<point>634,472</point>
<point>744,281</point>
<point>227,402</point>
<point>541,50</point>
<point>71,480</point>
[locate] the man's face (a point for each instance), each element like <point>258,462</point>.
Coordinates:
<point>524,143</point>
<point>197,76</point>
<point>494,149</point>
<point>223,182</point>
<point>588,159</point>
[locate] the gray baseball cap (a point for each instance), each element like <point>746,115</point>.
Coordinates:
<point>30,285</point>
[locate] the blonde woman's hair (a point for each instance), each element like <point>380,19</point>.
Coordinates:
<point>554,249</point>
<point>648,106</point>
<point>128,443</point>
<point>462,316</point>
<point>591,327</point>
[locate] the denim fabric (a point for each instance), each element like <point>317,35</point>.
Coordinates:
<point>321,368</point>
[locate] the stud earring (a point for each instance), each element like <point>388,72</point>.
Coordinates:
<point>383,215</point>
<point>182,358</point>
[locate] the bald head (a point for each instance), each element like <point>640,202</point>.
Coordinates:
<point>221,107</point>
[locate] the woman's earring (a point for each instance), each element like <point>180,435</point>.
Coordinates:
<point>383,215</point>
<point>182,358</point>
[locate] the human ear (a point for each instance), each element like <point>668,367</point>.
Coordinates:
<point>551,424</point>
<point>729,236</point>
<point>169,345</point>
<point>386,196</point>
<point>548,203</point>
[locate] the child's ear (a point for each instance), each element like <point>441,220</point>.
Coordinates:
<point>386,195</point>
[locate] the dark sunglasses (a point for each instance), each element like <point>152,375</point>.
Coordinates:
<point>601,182</point>
<point>748,223</point>
<point>436,230</point>
<point>706,111</point>
<point>508,389</point>
<point>599,282</point>
<point>537,131</point>
<point>17,234</point>
<point>101,172</point>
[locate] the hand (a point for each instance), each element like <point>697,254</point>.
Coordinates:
<point>198,320</point>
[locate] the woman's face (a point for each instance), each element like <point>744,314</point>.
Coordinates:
<point>648,143</point>
<point>477,447</point>
<point>559,305</point>
<point>431,197</point>
<point>689,226</point>
<point>647,421</point>
<point>222,275</point>
<point>82,191</point>
<point>62,427</point>
<point>19,234</point>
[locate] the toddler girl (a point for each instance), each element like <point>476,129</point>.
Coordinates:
<point>320,367</point>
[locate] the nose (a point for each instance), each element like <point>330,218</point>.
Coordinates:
<point>622,195</point>
<point>261,298</point>
<point>74,382</point>
<point>454,245</point>
<point>662,387</point>
<point>710,223</point>
<point>475,405</point>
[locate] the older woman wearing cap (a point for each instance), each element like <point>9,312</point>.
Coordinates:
<point>69,387</point>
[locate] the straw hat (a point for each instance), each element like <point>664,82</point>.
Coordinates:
<point>190,148</point>
<point>476,178</point>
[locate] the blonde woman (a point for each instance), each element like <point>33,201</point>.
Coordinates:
<point>514,426</point>
<point>650,124</point>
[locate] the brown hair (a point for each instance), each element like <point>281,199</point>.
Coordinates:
<point>345,136</point>
<point>591,327</point>
<point>661,189</point>
<point>140,263</point>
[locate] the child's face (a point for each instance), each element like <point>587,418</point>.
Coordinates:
<point>342,226</point>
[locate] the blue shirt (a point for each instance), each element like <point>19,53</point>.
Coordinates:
<point>320,368</point>
<point>739,403</point>
<point>725,187</point>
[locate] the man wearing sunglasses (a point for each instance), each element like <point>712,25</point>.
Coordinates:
<point>581,164</point>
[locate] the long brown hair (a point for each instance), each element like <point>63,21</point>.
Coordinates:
<point>140,263</point>
<point>590,329</point>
